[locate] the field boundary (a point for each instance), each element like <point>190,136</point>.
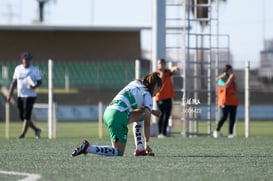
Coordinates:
<point>29,176</point>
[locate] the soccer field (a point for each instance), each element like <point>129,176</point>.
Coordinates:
<point>177,158</point>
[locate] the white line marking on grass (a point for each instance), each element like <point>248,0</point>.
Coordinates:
<point>29,176</point>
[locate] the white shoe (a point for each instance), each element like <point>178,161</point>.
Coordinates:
<point>161,136</point>
<point>217,134</point>
<point>231,136</point>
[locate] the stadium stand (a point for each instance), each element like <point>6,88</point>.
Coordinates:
<point>83,75</point>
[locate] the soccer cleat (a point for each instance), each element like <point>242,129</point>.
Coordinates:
<point>82,149</point>
<point>150,153</point>
<point>161,136</point>
<point>231,136</point>
<point>140,153</point>
<point>217,134</point>
<point>143,153</point>
<point>21,137</point>
<point>38,134</point>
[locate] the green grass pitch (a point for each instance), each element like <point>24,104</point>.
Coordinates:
<point>177,158</point>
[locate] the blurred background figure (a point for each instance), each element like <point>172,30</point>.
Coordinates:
<point>227,101</point>
<point>164,96</point>
<point>27,78</point>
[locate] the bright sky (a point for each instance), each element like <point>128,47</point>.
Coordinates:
<point>248,22</point>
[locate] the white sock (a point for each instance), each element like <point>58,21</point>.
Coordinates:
<point>103,150</point>
<point>138,134</point>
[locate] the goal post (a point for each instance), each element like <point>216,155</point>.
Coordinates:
<point>7,120</point>
<point>48,111</point>
<point>5,92</point>
<point>51,122</point>
<point>247,98</point>
<point>50,106</point>
<point>100,119</point>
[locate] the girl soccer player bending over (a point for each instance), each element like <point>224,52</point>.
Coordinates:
<point>132,104</point>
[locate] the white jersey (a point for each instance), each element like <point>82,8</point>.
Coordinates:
<point>26,77</point>
<point>134,95</point>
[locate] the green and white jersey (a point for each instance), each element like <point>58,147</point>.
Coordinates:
<point>134,95</point>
